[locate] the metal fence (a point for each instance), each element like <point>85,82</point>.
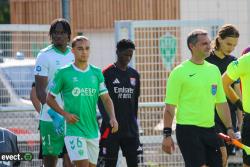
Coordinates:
<point>19,45</point>
<point>25,124</point>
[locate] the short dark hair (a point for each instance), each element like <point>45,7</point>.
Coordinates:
<point>193,36</point>
<point>125,44</point>
<point>78,38</point>
<point>227,30</point>
<point>65,24</point>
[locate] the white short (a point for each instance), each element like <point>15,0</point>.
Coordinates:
<point>80,148</point>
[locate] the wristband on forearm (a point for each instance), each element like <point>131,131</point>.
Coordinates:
<point>167,132</point>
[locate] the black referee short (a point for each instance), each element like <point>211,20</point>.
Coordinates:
<point>109,149</point>
<point>245,137</point>
<point>199,146</point>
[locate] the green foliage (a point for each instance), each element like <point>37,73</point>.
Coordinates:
<point>4,12</point>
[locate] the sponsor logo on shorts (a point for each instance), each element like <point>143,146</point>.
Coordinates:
<point>72,145</point>
<point>80,152</point>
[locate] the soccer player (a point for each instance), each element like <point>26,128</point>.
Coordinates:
<point>123,84</point>
<point>240,69</point>
<point>80,85</point>
<point>48,61</point>
<point>195,87</point>
<point>224,44</point>
<point>8,144</point>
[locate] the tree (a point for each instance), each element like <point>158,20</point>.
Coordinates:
<point>4,12</point>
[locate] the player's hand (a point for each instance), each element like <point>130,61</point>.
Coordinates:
<point>71,118</point>
<point>59,128</point>
<point>58,121</point>
<point>230,133</point>
<point>168,145</point>
<point>114,125</point>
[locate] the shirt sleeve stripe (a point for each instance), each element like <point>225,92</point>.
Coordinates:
<point>103,92</point>
<point>53,93</point>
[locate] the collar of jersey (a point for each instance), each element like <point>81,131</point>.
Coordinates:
<point>78,69</point>
<point>60,52</point>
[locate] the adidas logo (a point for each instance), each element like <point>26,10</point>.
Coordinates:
<point>116,81</point>
<point>139,148</point>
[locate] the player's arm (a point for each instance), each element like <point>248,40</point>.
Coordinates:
<point>230,92</point>
<point>41,72</point>
<point>224,114</point>
<point>35,101</point>
<point>239,113</point>
<point>41,85</point>
<point>109,108</point>
<point>173,92</point>
<point>71,118</point>
<point>169,113</point>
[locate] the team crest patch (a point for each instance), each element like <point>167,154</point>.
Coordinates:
<point>213,89</point>
<point>132,81</point>
<point>236,63</point>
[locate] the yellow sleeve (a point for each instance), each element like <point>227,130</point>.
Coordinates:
<point>173,87</point>
<point>237,68</point>
<point>220,95</point>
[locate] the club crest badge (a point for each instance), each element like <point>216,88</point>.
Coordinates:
<point>213,89</point>
<point>132,81</point>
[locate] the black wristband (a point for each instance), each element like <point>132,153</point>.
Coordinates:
<point>167,132</point>
<point>238,104</point>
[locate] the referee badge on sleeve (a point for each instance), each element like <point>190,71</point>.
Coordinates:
<point>214,89</point>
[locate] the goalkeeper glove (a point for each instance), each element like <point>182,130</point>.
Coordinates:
<point>58,121</point>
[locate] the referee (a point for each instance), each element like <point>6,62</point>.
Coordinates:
<point>194,88</point>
